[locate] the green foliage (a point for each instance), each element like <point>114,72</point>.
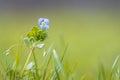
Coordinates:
<point>101,74</point>
<point>32,70</point>
<point>114,73</point>
<point>60,66</point>
<point>37,34</point>
<point>47,67</point>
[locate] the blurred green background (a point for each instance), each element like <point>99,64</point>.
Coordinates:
<point>92,32</point>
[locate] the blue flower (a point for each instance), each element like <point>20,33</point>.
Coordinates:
<point>44,23</point>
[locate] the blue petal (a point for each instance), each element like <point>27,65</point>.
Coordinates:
<point>40,20</point>
<point>44,27</point>
<point>47,21</point>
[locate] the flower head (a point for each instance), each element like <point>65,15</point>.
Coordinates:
<point>43,23</point>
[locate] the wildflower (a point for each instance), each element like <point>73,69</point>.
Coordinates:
<point>44,23</point>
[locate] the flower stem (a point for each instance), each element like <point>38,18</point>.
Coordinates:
<point>27,60</point>
<point>36,67</point>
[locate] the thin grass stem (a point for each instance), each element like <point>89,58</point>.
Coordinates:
<point>27,60</point>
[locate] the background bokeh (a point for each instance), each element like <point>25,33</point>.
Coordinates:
<point>91,28</point>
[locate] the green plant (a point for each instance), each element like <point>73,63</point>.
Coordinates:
<point>31,68</point>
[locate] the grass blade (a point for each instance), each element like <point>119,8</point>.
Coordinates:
<point>59,63</point>
<point>101,75</point>
<point>48,52</point>
<point>57,73</point>
<point>64,53</point>
<point>114,66</point>
<point>36,67</point>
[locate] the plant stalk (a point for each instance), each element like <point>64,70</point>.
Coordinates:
<point>27,60</point>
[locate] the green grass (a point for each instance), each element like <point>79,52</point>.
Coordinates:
<point>30,69</point>
<point>93,43</point>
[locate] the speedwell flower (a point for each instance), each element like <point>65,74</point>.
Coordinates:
<point>44,23</point>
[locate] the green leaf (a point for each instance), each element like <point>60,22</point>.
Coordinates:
<point>114,67</point>
<point>28,42</point>
<point>47,60</point>
<point>115,62</point>
<point>57,73</point>
<point>64,51</point>
<point>101,74</point>
<point>37,34</point>
<point>7,52</point>
<point>59,63</point>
